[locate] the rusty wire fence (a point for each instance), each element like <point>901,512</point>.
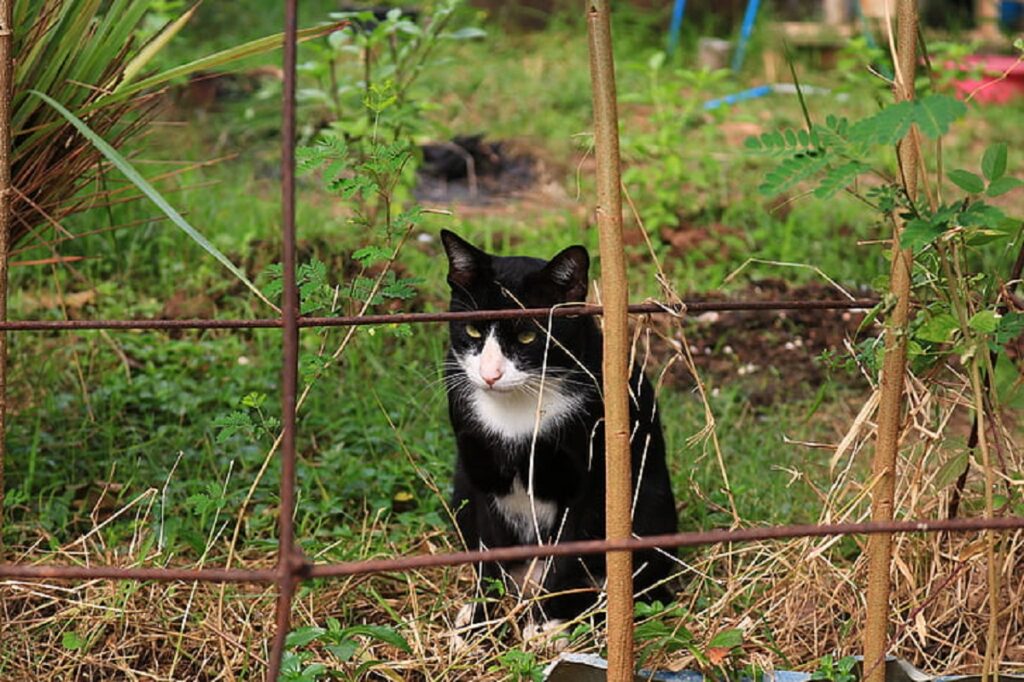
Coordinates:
<point>292,567</point>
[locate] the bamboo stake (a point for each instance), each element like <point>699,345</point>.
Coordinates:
<point>6,74</point>
<point>893,368</point>
<point>615,370</point>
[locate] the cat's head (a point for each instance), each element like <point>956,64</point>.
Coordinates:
<point>503,356</point>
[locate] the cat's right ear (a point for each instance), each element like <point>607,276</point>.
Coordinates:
<point>465,262</point>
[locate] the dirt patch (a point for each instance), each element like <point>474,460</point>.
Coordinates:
<point>471,170</point>
<point>775,355</point>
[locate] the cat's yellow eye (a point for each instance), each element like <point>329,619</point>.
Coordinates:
<point>473,332</point>
<point>527,337</point>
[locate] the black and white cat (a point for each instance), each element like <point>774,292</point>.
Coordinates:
<point>524,397</point>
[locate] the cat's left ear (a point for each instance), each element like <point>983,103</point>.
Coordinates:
<point>568,272</point>
<point>465,262</point>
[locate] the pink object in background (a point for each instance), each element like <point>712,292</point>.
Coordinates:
<point>993,66</point>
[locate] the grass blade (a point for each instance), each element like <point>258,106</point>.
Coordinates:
<point>133,175</point>
<point>218,59</point>
<point>138,63</point>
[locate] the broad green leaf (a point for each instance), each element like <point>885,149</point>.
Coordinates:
<point>136,178</point>
<point>303,636</point>
<point>345,650</point>
<point>381,633</point>
<point>938,329</point>
<point>980,214</point>
<point>982,236</point>
<point>993,163</point>
<point>72,640</point>
<point>918,233</point>
<point>951,470</point>
<point>727,639</point>
<point>967,181</point>
<point>984,321</point>
<point>1011,326</point>
<point>1003,185</point>
<point>254,399</point>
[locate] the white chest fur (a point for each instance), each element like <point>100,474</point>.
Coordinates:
<point>523,515</point>
<point>515,415</point>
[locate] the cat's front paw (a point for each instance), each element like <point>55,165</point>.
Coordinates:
<point>549,635</point>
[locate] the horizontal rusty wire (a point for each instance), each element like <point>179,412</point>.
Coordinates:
<point>305,570</point>
<point>470,315</point>
<point>210,575</point>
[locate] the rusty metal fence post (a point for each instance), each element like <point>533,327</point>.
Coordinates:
<point>289,556</point>
<point>6,76</point>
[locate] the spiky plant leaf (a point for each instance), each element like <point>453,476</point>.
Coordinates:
<point>77,52</point>
<point>218,60</point>
<point>156,44</point>
<point>140,182</point>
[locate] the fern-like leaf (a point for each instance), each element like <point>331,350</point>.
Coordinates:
<point>935,113</point>
<point>839,177</point>
<point>791,171</point>
<point>779,142</point>
<point>887,127</point>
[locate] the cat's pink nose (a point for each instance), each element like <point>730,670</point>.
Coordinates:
<point>491,378</point>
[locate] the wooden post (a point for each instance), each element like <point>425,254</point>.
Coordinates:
<point>986,16</point>
<point>890,410</point>
<point>6,76</point>
<point>615,370</point>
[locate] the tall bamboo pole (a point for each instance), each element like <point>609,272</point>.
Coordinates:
<point>6,76</point>
<point>615,370</point>
<point>890,410</point>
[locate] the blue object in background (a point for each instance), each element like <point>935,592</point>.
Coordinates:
<point>1011,14</point>
<point>752,93</point>
<point>676,26</point>
<point>748,27</point>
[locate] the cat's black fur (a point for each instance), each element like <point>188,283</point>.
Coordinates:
<point>569,467</point>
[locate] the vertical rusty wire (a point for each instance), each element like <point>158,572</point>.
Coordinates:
<point>615,369</point>
<point>289,557</point>
<point>890,410</point>
<point>6,75</point>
